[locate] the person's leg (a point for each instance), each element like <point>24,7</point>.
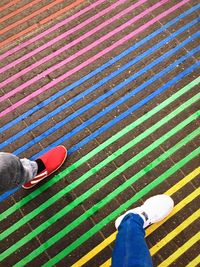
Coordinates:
<point>130,248</point>
<point>30,169</point>
<point>15,172</point>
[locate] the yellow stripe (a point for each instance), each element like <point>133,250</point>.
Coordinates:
<point>107,263</point>
<point>175,232</point>
<point>183,182</point>
<point>180,251</point>
<point>195,262</point>
<point>95,251</point>
<point>112,237</point>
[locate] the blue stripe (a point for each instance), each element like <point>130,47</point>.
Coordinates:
<point>98,70</point>
<point>8,193</point>
<point>132,109</point>
<point>112,91</point>
<point>126,113</point>
<point>123,115</point>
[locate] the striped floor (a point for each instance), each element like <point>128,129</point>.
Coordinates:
<point>117,83</point>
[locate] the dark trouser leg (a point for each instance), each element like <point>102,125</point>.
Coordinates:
<point>130,247</point>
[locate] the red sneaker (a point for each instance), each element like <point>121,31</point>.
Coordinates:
<point>49,162</point>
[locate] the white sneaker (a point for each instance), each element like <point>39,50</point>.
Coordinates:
<point>153,210</point>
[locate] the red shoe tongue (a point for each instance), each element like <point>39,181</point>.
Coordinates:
<point>41,166</point>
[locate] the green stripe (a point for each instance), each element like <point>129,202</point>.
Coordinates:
<point>118,211</point>
<point>68,170</point>
<point>92,171</point>
<point>96,207</point>
<point>91,211</point>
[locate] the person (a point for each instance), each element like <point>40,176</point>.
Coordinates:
<point>130,248</point>
<point>15,172</point>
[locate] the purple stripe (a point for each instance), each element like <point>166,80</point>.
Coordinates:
<point>64,48</point>
<point>90,60</point>
<point>60,37</point>
<point>55,27</point>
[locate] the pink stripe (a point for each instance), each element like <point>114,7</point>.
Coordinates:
<point>92,59</point>
<point>62,49</point>
<point>60,37</point>
<point>55,27</point>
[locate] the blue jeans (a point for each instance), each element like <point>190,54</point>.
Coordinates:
<point>130,248</point>
<point>15,172</point>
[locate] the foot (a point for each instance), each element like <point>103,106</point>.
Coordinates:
<point>47,164</point>
<point>153,210</point>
